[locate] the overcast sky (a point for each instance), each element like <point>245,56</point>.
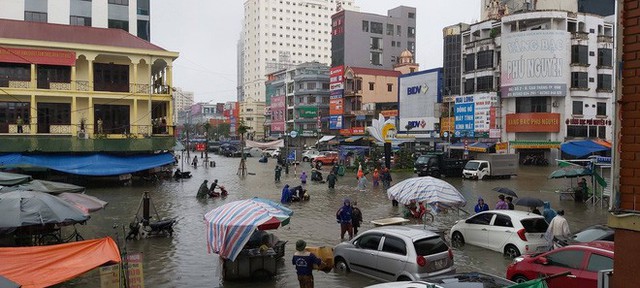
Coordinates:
<point>206,34</point>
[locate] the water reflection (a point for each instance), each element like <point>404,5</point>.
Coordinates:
<point>182,261</point>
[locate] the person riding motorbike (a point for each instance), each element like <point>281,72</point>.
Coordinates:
<point>316,175</point>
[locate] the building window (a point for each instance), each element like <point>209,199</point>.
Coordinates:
<point>576,131</point>
<point>485,84</point>
<point>53,114</point>
<point>469,86</point>
<point>119,2</point>
<point>399,30</point>
<point>119,24</point>
<point>311,86</point>
<point>470,63</point>
<point>390,29</point>
<point>372,86</point>
<point>531,105</point>
<point>604,82</point>
<point>411,46</point>
<point>365,26</point>
<point>580,55</point>
<point>485,59</point>
<point>110,77</point>
<point>9,112</point>
<point>412,15</point>
<point>35,16</point>
<point>376,27</point>
<point>577,108</point>
<point>389,87</point>
<point>375,58</point>
<point>14,72</point>
<point>601,109</point>
<point>144,29</point>
<point>579,80</point>
<point>80,21</point>
<point>411,32</point>
<point>143,7</point>
<point>47,74</point>
<point>602,132</point>
<point>375,43</point>
<point>115,118</point>
<point>605,58</point>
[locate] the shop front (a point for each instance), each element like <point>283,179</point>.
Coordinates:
<point>533,137</point>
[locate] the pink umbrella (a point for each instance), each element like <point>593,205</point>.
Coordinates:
<point>84,202</point>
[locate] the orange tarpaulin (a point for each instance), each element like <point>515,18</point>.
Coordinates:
<point>44,266</point>
<point>602,142</point>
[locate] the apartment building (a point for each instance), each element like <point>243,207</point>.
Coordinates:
<point>132,16</point>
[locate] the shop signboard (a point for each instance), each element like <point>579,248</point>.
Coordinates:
<point>335,122</point>
<point>38,56</point>
<point>495,133</point>
<point>502,147</point>
<point>418,94</point>
<point>278,111</point>
<point>482,104</point>
<point>308,112</point>
<point>336,106</point>
<point>345,132</point>
<point>389,113</point>
<point>336,78</point>
<point>447,124</point>
<point>535,63</point>
<point>357,130</point>
<point>533,122</point>
<point>464,116</point>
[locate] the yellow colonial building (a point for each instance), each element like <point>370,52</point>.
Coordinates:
<point>81,89</point>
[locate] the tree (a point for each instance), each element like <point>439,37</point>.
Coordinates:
<point>242,130</point>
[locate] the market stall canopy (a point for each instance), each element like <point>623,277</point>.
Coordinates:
<point>570,173</point>
<point>230,226</point>
<point>264,145</point>
<point>582,148</point>
<point>25,208</point>
<point>426,189</point>
<point>84,202</point>
<point>353,139</point>
<point>326,138</point>
<point>10,179</point>
<point>46,187</point>
<point>90,165</point>
<point>44,266</point>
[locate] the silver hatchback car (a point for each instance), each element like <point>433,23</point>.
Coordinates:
<point>395,253</point>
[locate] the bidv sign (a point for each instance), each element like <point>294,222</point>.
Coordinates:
<point>421,89</point>
<point>416,124</point>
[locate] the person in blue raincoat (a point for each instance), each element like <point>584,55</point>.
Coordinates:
<point>286,195</point>
<point>481,206</point>
<point>548,212</point>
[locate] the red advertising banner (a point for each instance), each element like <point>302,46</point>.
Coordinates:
<point>47,57</point>
<point>357,130</point>
<point>345,132</point>
<point>335,74</point>
<point>492,117</point>
<point>533,122</point>
<point>389,113</point>
<point>336,106</point>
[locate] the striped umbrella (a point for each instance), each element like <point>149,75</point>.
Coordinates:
<point>230,226</point>
<point>426,189</point>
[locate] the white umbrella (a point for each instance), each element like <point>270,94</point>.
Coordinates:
<point>426,189</point>
<point>84,202</point>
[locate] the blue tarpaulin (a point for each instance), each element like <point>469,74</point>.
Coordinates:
<point>89,165</point>
<point>582,148</point>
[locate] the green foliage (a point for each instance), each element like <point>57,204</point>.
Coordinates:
<point>404,159</point>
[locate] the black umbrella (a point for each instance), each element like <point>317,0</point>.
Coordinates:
<point>529,202</point>
<point>506,191</point>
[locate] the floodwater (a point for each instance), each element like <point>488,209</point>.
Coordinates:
<point>183,261</point>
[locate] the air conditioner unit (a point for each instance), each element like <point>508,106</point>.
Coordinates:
<point>83,135</point>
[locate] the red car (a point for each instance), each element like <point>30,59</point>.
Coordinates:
<point>327,159</point>
<point>583,260</point>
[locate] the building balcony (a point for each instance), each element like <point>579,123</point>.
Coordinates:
<point>605,39</point>
<point>579,36</point>
<point>351,93</point>
<point>85,86</point>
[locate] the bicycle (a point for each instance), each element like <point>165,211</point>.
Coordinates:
<point>55,237</point>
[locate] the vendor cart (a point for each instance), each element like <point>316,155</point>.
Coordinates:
<point>251,264</point>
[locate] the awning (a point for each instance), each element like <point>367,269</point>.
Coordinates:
<point>602,142</point>
<point>89,164</point>
<point>534,144</point>
<point>44,266</point>
<point>481,146</point>
<point>326,138</point>
<point>582,148</point>
<point>353,139</point>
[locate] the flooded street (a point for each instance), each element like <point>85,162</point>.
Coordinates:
<point>183,261</point>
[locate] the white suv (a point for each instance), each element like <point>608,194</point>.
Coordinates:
<point>271,152</point>
<point>506,231</point>
<point>395,253</point>
<point>307,155</point>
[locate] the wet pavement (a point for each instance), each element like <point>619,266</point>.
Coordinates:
<point>183,261</point>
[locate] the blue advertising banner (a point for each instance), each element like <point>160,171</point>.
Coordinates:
<point>335,122</point>
<point>464,116</point>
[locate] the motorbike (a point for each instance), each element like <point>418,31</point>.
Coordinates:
<point>316,176</point>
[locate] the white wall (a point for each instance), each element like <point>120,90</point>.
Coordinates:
<point>100,12</point>
<point>58,11</point>
<point>12,9</point>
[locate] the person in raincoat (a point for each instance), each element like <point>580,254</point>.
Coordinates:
<point>559,227</point>
<point>360,174</point>
<point>303,178</point>
<point>331,179</point>
<point>278,172</point>
<point>548,212</point>
<point>362,183</point>
<point>286,195</point>
<point>344,216</point>
<point>501,204</point>
<point>376,178</point>
<point>203,191</point>
<point>481,206</point>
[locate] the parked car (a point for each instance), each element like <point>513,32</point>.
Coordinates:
<point>328,158</point>
<point>458,280</point>
<point>395,253</point>
<point>510,232</point>
<point>252,152</point>
<point>309,154</point>
<point>583,260</point>
<point>271,152</point>
<point>589,234</point>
